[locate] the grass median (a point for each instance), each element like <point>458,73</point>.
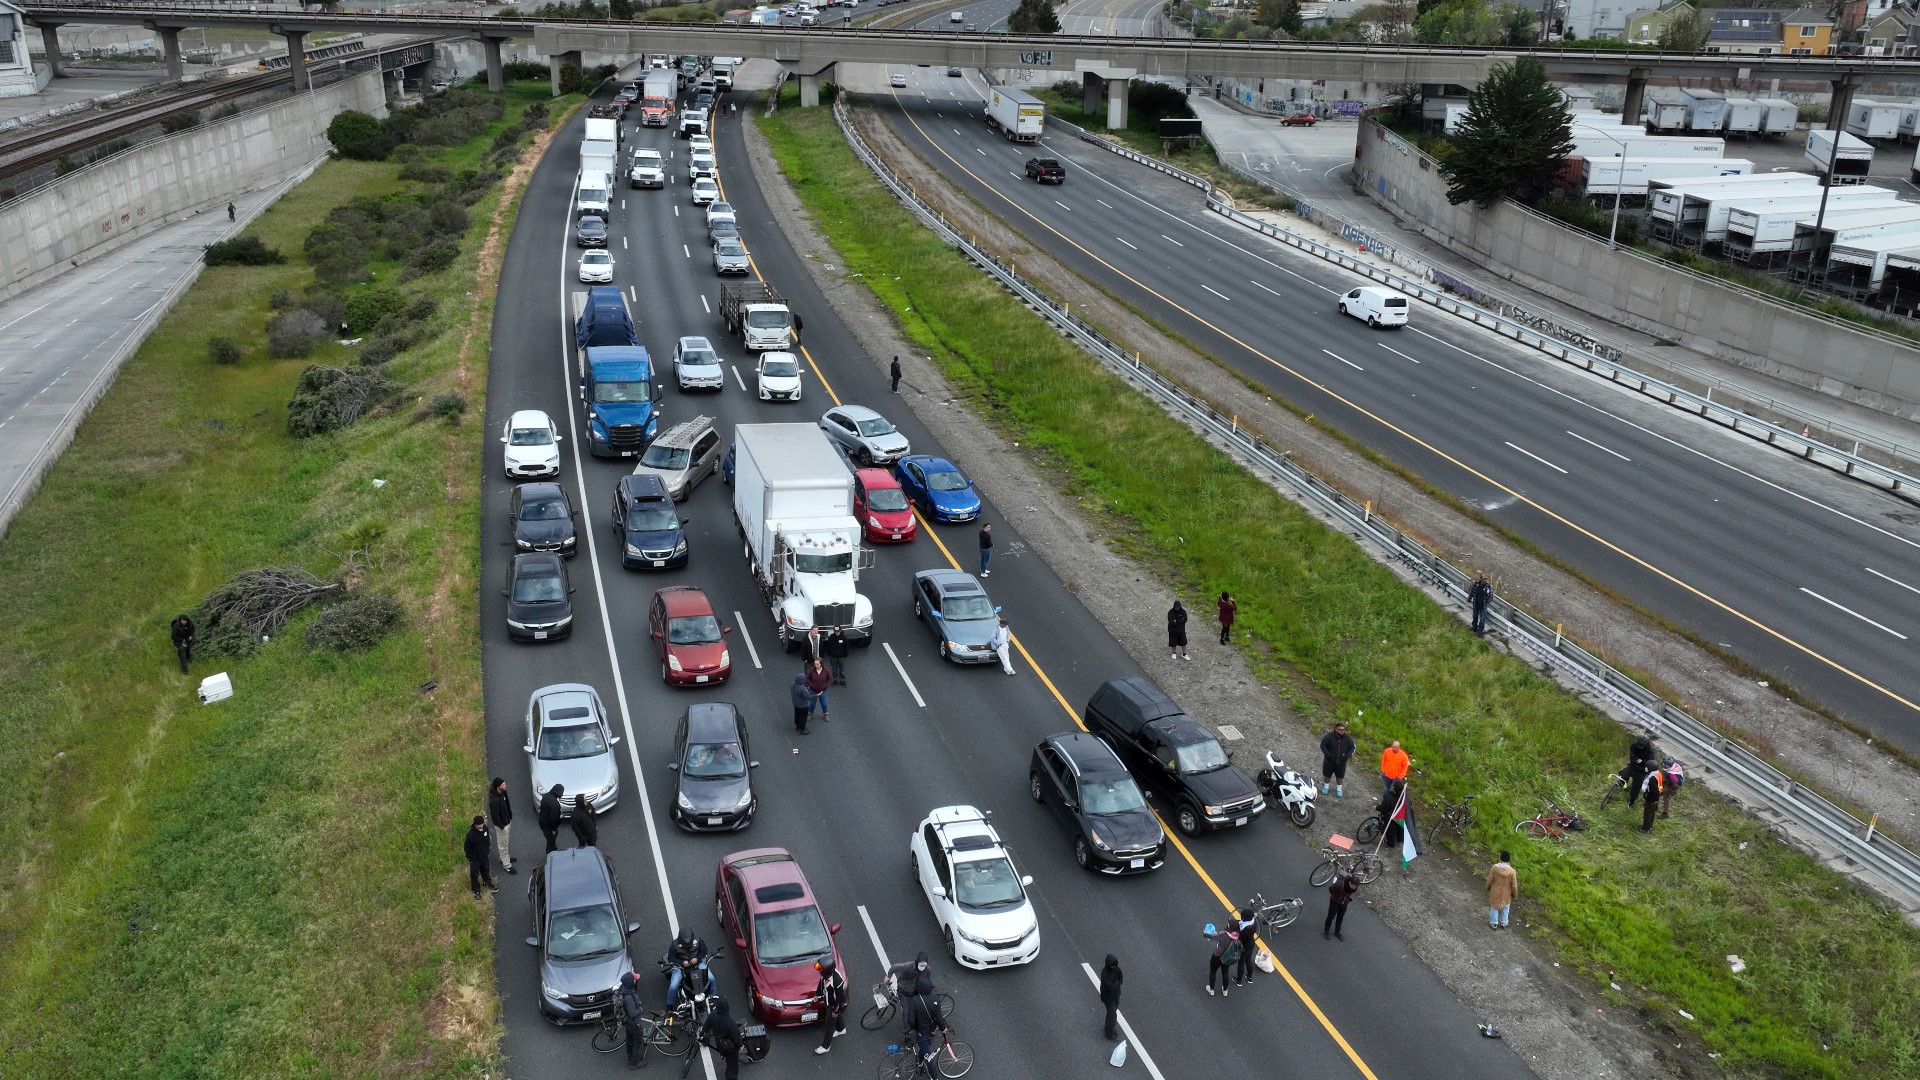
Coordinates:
<point>271,885</point>
<point>1827,986</point>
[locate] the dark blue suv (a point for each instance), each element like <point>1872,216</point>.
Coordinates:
<point>650,528</point>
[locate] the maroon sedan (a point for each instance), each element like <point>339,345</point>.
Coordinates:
<point>766,907</point>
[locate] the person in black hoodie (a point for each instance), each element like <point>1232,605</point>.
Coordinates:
<point>721,1033</point>
<point>551,815</point>
<point>632,1010</point>
<point>920,1017</point>
<point>833,1003</point>
<point>586,827</point>
<point>1336,749</point>
<point>1639,762</point>
<point>500,816</point>
<point>1177,632</point>
<point>478,851</point>
<point>1110,979</point>
<point>914,977</point>
<point>836,650</point>
<point>182,631</point>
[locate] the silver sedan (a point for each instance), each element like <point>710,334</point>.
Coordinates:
<point>570,743</point>
<point>730,256</point>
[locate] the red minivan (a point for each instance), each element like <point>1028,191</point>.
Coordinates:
<point>689,637</point>
<point>885,515</point>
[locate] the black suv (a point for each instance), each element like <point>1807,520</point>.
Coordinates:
<point>650,529</point>
<point>539,597</point>
<point>1046,170</point>
<point>580,928</point>
<point>1173,755</point>
<point>1078,777</point>
<point>542,519</point>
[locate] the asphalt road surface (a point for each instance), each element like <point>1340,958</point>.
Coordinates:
<point>909,733</point>
<point>1799,571</point>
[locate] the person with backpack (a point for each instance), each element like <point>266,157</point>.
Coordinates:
<point>632,1010</point>
<point>1339,895</point>
<point>1639,761</point>
<point>720,1033</point>
<point>1676,775</point>
<point>1245,925</point>
<point>1226,953</point>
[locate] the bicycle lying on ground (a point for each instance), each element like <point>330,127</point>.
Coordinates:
<point>886,1002</point>
<point>658,1031</point>
<point>1551,821</point>
<point>951,1059</point>
<point>1272,917</point>
<point>1363,866</point>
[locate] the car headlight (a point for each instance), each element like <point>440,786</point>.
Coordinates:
<point>523,543</point>
<point>681,547</point>
<point>874,520</point>
<point>1212,811</point>
<point>980,941</point>
<point>745,799</point>
<point>551,993</point>
<point>1094,835</point>
<point>633,550</point>
<point>726,658</point>
<point>673,662</point>
<point>685,803</point>
<point>516,625</point>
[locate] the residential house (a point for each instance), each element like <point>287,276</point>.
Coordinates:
<point>19,75</point>
<point>1645,26</point>
<point>1892,31</point>
<point>1598,18</point>
<point>1806,32</point>
<point>1752,31</point>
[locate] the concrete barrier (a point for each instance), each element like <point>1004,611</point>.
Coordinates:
<point>90,212</point>
<point>1734,324</point>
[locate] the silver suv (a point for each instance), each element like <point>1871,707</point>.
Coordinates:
<point>688,453</point>
<point>869,437</point>
<point>696,366</point>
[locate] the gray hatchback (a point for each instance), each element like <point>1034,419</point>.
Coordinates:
<point>955,607</point>
<point>580,928</point>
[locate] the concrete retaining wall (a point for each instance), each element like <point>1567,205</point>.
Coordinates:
<point>1633,290</point>
<point>90,212</point>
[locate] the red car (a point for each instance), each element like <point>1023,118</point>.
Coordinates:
<point>767,909</point>
<point>882,507</point>
<point>692,643</point>
<point>1300,119</point>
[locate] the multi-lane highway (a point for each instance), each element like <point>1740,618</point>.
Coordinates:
<point>909,733</point>
<point>1804,574</point>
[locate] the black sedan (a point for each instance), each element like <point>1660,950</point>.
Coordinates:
<point>715,788</point>
<point>590,231</point>
<point>539,597</point>
<point>1082,781</point>
<point>543,519</point>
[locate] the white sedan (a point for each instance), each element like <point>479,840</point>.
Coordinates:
<point>705,190</point>
<point>779,376</point>
<point>596,267</point>
<point>533,445</point>
<point>978,898</point>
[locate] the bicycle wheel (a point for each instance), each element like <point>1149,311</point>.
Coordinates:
<point>609,1037</point>
<point>1283,916</point>
<point>1614,787</point>
<point>1532,827</point>
<point>945,1003</point>
<point>876,1016</point>
<point>953,1059</point>
<point>1322,874</point>
<point>898,1064</point>
<point>1366,867</point>
<point>673,1037</point>
<point>1370,830</point>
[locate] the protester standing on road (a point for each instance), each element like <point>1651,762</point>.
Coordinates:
<point>895,372</point>
<point>1002,642</point>
<point>721,1033</point>
<point>632,1011</point>
<point>182,630</point>
<point>551,815</point>
<point>1110,979</point>
<point>586,824</point>
<point>818,679</point>
<point>500,816</point>
<point>478,850</point>
<point>802,702</point>
<point>1480,594</point>
<point>1502,886</point>
<point>836,650</point>
<point>1336,749</point>
<point>833,1003</point>
<point>1221,959</point>
<point>1227,611</point>
<point>986,549</point>
<point>1389,802</point>
<point>1394,764</point>
<point>232,215</point>
<point>1245,925</point>
<point>1339,895</point>
<point>1177,632</point>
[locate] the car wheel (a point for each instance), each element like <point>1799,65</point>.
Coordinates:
<point>665,677</point>
<point>945,653</point>
<point>719,913</point>
<point>1033,786</point>
<point>1082,855</point>
<point>953,950</point>
<point>1373,322</point>
<point>1187,819</point>
<point>919,608</point>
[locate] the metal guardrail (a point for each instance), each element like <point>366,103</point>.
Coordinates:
<point>1882,865</point>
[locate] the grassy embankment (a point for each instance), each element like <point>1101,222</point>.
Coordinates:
<point>1828,985</point>
<point>269,886</point>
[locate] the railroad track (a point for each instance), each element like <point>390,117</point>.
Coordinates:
<point>44,144</point>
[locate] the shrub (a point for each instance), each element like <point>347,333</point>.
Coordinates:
<point>357,135</point>
<point>520,70</point>
<point>535,115</point>
<point>253,603</point>
<point>432,258</point>
<point>421,309</point>
<point>353,624</point>
<point>366,307</point>
<point>281,298</point>
<point>330,398</point>
<point>326,302</point>
<point>243,251</point>
<point>381,349</point>
<point>425,173</point>
<point>295,333</point>
<point>175,123</point>
<point>341,271</point>
<point>1151,102</point>
<point>448,407</point>
<point>223,351</point>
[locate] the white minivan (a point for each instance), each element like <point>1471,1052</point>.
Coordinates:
<point>1377,306</point>
<point>957,17</point>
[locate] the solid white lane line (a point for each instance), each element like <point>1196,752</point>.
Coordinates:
<point>1853,613</point>
<point>1171,240</point>
<point>633,295</point>
<point>740,624</point>
<point>1404,356</point>
<point>1260,286</point>
<point>911,689</point>
<point>1126,1028</point>
<point>1541,460</point>
<point>1884,577</point>
<point>1123,240</point>
<point>1343,360</point>
<point>623,243</point>
<point>1597,446</point>
<point>1217,293</point>
<point>873,935</point>
<point>738,379</point>
<point>976,149</point>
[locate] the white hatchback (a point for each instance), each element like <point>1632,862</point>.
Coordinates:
<point>705,190</point>
<point>978,898</point>
<point>779,376</point>
<point>533,445</point>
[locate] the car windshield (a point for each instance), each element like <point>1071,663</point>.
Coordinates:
<point>838,562</point>
<point>532,436</point>
<point>874,427</point>
<point>731,247</point>
<point>886,499</point>
<point>783,937</point>
<point>566,743</point>
<point>613,393</point>
<point>693,630</point>
<point>584,932</point>
<point>538,589</point>
<point>985,883</point>
<point>644,518</point>
<point>543,510</point>
<point>767,320</point>
<point>720,208</point>
<point>1201,757</point>
<point>724,227</point>
<point>966,608</point>
<point>665,457</point>
<point>699,358</point>
<point>1110,795</point>
<point>780,369</point>
<point>946,481</point>
<point>713,761</point>
<point>592,225</point>
<point>596,258</point>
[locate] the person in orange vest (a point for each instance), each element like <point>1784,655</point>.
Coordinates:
<point>1394,763</point>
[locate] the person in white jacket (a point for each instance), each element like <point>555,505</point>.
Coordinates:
<point>1002,642</point>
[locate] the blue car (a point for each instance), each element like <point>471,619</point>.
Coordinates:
<point>938,488</point>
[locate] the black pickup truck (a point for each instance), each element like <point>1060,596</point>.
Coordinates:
<point>1174,756</point>
<point>1046,170</point>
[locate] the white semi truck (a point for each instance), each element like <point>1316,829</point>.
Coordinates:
<point>793,500</point>
<point>1015,113</point>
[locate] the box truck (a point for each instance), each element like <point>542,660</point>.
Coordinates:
<point>598,156</point>
<point>1015,113</point>
<point>793,500</point>
<point>602,130</point>
<point>657,98</point>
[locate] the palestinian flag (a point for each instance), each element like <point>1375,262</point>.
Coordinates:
<point>1403,813</point>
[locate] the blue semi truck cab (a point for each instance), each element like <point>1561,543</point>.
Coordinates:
<point>619,396</point>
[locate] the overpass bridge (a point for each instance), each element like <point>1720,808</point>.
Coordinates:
<point>812,52</point>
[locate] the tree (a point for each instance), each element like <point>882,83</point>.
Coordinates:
<point>1033,17</point>
<point>620,9</point>
<point>355,134</point>
<point>1461,22</point>
<point>1391,21</point>
<point>1280,14</point>
<point>1512,140</point>
<point>1685,32</point>
<point>1520,27</point>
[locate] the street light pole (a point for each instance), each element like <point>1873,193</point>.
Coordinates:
<point>1619,189</point>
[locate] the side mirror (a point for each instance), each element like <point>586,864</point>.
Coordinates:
<point>503,592</point>
<point>726,630</point>
<point>571,589</point>
<point>673,765</point>
<point>503,438</point>
<point>615,741</point>
<point>657,635</point>
<point>559,438</point>
<point>834,929</point>
<point>1026,881</point>
<point>753,764</point>
<point>940,891</point>
<point>997,609</point>
<point>534,941</point>
<point>633,928</point>
<point>683,521</point>
<point>739,943</point>
<point>527,749</point>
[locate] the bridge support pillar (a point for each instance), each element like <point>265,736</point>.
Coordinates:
<point>1090,87</point>
<point>496,79</point>
<point>1843,89</point>
<point>558,62</point>
<point>1116,104</point>
<point>810,87</point>
<point>170,45</point>
<point>296,57</point>
<point>1631,108</point>
<point>50,44</point>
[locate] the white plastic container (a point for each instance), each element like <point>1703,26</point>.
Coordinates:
<point>215,688</point>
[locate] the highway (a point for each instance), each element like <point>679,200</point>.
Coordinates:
<point>1796,570</point>
<point>909,733</point>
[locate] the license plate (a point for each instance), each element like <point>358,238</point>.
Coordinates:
<point>628,453</point>
<point>701,678</point>
<point>1240,821</point>
<point>896,536</point>
<point>809,1017</point>
<point>594,1015</point>
<point>1136,863</point>
<point>880,1001</point>
<point>713,821</point>
<point>659,562</point>
<point>539,635</point>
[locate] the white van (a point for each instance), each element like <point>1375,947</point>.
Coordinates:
<point>594,195</point>
<point>1379,307</point>
<point>957,17</point>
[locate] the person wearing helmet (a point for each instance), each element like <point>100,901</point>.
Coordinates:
<point>833,1003</point>
<point>688,951</point>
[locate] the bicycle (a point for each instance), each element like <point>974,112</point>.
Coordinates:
<point>1274,916</point>
<point>951,1059</point>
<point>661,1031</point>
<point>1457,816</point>
<point>1616,783</point>
<point>1551,822</point>
<point>1363,866</point>
<point>886,1002</point>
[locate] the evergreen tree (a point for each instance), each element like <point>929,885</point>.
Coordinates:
<point>1033,17</point>
<point>1280,15</point>
<point>1512,140</point>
